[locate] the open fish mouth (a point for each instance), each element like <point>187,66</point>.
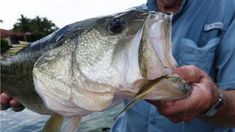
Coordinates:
<point>156,62</point>
<point>155,58</point>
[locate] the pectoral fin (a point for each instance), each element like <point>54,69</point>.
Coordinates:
<point>70,124</point>
<point>54,123</point>
<point>165,88</point>
<point>58,123</point>
<point>141,94</point>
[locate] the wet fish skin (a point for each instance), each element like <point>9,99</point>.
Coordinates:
<point>91,65</point>
<point>16,71</point>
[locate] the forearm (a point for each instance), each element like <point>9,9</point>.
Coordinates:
<point>225,117</point>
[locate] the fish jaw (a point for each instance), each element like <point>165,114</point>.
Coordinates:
<point>163,88</point>
<point>170,87</point>
<point>155,55</point>
<point>148,55</point>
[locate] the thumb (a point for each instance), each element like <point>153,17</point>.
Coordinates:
<point>189,73</point>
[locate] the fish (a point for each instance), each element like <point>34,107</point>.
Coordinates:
<point>93,65</point>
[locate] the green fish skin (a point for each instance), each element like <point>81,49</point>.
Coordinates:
<point>92,65</point>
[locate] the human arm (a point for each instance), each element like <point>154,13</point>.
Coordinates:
<point>226,116</point>
<point>204,95</point>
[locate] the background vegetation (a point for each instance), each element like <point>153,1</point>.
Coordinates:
<point>4,45</point>
<point>35,28</point>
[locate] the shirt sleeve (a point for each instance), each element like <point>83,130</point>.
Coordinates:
<point>225,59</point>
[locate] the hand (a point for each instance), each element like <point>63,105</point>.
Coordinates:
<point>203,96</point>
<point>7,102</point>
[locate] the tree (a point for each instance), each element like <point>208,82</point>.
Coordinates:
<point>37,27</point>
<point>4,45</point>
<point>23,25</point>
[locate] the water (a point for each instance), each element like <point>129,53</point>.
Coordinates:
<point>27,121</point>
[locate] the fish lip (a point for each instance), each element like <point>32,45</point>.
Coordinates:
<point>155,35</point>
<point>182,87</point>
<point>153,20</point>
<point>187,88</point>
<point>156,21</point>
<point>153,29</point>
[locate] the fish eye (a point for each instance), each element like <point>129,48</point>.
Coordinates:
<point>116,26</point>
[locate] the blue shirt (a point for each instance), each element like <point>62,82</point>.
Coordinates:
<point>203,34</point>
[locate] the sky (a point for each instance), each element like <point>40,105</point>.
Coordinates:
<point>61,12</point>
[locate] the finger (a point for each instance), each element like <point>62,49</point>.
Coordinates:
<point>163,108</point>
<point>182,118</point>
<point>18,108</point>
<point>188,119</point>
<point>174,108</point>
<point>153,102</point>
<point>161,105</point>
<point>175,120</point>
<point>169,106</point>
<point>178,118</point>
<point>14,103</point>
<point>4,99</point>
<point>189,73</point>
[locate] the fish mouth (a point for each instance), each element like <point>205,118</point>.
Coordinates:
<point>165,88</point>
<point>162,44</point>
<point>155,55</point>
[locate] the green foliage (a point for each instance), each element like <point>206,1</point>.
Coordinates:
<point>37,27</point>
<point>4,45</point>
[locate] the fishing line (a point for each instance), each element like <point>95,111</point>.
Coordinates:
<point>183,125</point>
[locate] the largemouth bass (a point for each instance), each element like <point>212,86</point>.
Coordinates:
<point>92,65</point>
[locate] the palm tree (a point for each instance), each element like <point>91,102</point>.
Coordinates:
<point>23,24</point>
<point>37,27</point>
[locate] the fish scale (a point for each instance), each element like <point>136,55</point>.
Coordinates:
<point>92,65</point>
